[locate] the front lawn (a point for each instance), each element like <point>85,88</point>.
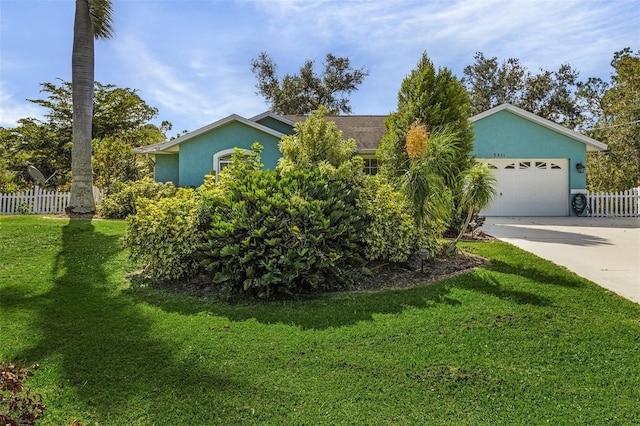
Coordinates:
<point>521,341</point>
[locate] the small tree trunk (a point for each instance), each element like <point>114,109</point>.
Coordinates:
<point>452,246</point>
<point>464,227</point>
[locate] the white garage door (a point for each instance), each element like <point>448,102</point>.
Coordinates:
<point>530,187</point>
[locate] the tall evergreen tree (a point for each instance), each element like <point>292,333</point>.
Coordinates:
<point>439,101</point>
<point>436,99</point>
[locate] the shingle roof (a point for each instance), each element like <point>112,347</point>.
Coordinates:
<point>367,130</point>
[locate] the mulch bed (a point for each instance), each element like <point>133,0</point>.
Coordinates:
<point>386,277</point>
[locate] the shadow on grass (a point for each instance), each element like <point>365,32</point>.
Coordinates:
<point>346,309</point>
<point>99,342</point>
<point>565,279</point>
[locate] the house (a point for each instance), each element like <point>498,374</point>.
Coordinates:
<point>187,159</point>
<point>539,164</point>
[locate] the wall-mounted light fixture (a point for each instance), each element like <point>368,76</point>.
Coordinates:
<point>580,168</point>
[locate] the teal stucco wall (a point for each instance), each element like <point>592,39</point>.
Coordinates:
<point>276,125</point>
<point>196,155</point>
<point>507,135</point>
<point>166,168</point>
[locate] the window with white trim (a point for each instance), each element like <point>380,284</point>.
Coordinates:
<point>222,159</point>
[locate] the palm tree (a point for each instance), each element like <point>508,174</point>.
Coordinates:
<point>431,167</point>
<point>478,189</point>
<point>92,21</point>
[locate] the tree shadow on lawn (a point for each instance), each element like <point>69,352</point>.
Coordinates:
<point>344,309</point>
<point>100,341</point>
<point>564,279</point>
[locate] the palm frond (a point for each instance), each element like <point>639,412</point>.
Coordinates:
<point>101,13</point>
<point>441,153</point>
<point>426,192</point>
<point>479,187</point>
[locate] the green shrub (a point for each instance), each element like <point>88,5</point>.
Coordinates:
<point>164,236</point>
<point>121,201</point>
<point>391,232</point>
<point>242,165</point>
<point>285,233</point>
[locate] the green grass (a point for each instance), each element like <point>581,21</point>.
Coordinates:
<point>519,342</point>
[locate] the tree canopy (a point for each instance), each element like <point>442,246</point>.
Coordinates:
<point>550,94</point>
<point>122,120</point>
<point>307,91</point>
<point>615,107</point>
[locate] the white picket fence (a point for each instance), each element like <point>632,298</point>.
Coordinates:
<point>614,204</point>
<point>39,201</point>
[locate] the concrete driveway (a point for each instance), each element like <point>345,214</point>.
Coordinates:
<point>603,250</point>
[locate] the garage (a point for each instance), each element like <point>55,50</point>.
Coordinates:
<point>529,187</point>
<point>538,163</point>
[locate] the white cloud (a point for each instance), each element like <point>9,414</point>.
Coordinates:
<point>200,89</point>
<point>11,109</point>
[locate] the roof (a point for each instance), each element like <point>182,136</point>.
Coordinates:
<point>173,145</point>
<point>592,144</point>
<point>367,130</point>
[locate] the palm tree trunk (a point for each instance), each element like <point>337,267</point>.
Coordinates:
<point>464,226</point>
<point>82,80</point>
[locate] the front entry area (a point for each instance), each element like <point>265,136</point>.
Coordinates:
<point>529,187</point>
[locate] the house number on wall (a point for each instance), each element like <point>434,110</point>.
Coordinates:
<point>499,155</point>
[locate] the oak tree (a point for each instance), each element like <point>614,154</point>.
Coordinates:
<point>618,126</point>
<point>549,93</point>
<point>307,91</point>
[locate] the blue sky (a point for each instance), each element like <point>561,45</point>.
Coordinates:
<point>191,58</point>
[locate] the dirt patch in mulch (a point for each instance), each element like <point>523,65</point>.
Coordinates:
<point>387,277</point>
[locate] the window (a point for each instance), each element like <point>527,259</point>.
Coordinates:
<point>371,166</point>
<point>525,164</point>
<point>492,166</point>
<point>222,159</point>
<point>541,164</point>
<point>510,166</point>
